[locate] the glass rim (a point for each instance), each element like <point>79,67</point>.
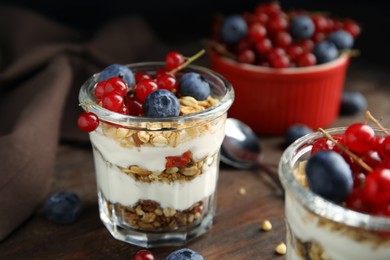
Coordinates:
<point>86,97</point>
<point>315,203</point>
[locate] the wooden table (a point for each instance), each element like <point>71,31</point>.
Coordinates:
<point>236,233</point>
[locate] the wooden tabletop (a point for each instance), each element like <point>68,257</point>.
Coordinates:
<point>244,200</point>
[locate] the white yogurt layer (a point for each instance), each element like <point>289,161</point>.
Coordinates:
<point>335,244</point>
<point>153,158</point>
<point>118,187</point>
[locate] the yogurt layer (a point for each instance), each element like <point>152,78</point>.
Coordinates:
<point>335,244</point>
<point>118,187</point>
<point>153,158</point>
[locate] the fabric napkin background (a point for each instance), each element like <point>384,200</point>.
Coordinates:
<point>42,66</point>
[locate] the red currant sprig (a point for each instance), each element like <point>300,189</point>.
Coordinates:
<point>88,122</point>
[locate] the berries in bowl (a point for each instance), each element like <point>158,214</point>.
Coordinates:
<point>337,193</point>
<point>287,67</point>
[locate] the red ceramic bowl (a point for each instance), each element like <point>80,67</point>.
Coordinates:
<point>271,100</point>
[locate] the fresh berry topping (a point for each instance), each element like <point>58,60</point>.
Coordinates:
<point>282,39</point>
<point>112,101</point>
<point>247,56</point>
<point>116,85</point>
<point>263,46</point>
<point>320,23</point>
<point>88,122</point>
<point>140,75</point>
<point>168,82</point>
<point>63,208</point>
<point>325,51</point>
<point>324,144</point>
<point>233,29</point>
<point>352,103</point>
<point>99,89</point>
<point>296,131</point>
<point>134,108</point>
<point>329,176</point>
<point>342,39</point>
<point>117,70</point>
<point>353,28</point>
<point>257,32</point>
<point>144,88</point>
<point>194,85</point>
<point>302,27</point>
<point>377,185</point>
<point>161,103</point>
<point>184,254</point>
<point>384,148</point>
<point>144,254</point>
<point>173,60</point>
<point>359,137</point>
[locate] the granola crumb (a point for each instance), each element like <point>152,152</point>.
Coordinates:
<point>266,225</point>
<point>281,249</point>
<point>242,191</point>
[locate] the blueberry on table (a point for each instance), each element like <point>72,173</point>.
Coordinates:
<point>184,254</point>
<point>302,27</point>
<point>233,29</point>
<point>194,85</point>
<point>117,70</point>
<point>62,208</point>
<point>296,131</point>
<point>161,103</point>
<point>329,176</point>
<point>342,39</point>
<point>325,51</point>
<point>352,103</point>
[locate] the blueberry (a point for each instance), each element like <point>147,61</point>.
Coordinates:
<point>302,27</point>
<point>117,70</point>
<point>62,208</point>
<point>184,254</point>
<point>342,39</point>
<point>296,131</point>
<point>233,29</point>
<point>161,103</point>
<point>325,51</point>
<point>194,85</point>
<point>352,103</point>
<point>329,176</point>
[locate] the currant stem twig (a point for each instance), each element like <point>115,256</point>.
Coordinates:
<point>345,150</point>
<point>188,61</point>
<point>376,122</point>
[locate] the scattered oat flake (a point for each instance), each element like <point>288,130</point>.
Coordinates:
<point>281,249</point>
<point>266,225</point>
<point>242,191</point>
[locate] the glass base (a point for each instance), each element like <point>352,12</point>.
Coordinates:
<point>151,239</point>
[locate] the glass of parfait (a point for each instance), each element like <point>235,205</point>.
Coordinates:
<point>157,172</point>
<point>332,194</point>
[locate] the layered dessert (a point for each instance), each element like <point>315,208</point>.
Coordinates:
<point>337,199</point>
<point>156,131</point>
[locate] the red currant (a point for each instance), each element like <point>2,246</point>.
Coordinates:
<point>168,82</point>
<point>356,201</point>
<point>270,9</point>
<point>144,88</point>
<point>282,39</point>
<point>263,46</point>
<point>359,137</point>
<point>306,44</point>
<point>384,148</point>
<point>256,32</point>
<point>174,59</point>
<point>162,71</point>
<point>306,59</point>
<point>377,185</point>
<point>116,85</point>
<point>324,144</point>
<point>144,254</point>
<point>247,56</point>
<point>134,108</point>
<point>320,23</point>
<point>141,75</point>
<point>88,122</point>
<point>293,51</point>
<point>279,61</point>
<point>99,89</point>
<point>276,24</point>
<point>112,101</point>
<point>352,27</point>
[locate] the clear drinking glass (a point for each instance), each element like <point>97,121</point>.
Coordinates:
<point>319,229</point>
<point>143,199</point>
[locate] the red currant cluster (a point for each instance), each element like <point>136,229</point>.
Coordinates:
<point>115,95</point>
<point>368,156</point>
<point>269,39</point>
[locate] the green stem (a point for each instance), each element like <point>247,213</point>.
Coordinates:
<point>188,61</point>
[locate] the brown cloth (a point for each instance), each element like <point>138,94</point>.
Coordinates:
<point>42,66</point>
